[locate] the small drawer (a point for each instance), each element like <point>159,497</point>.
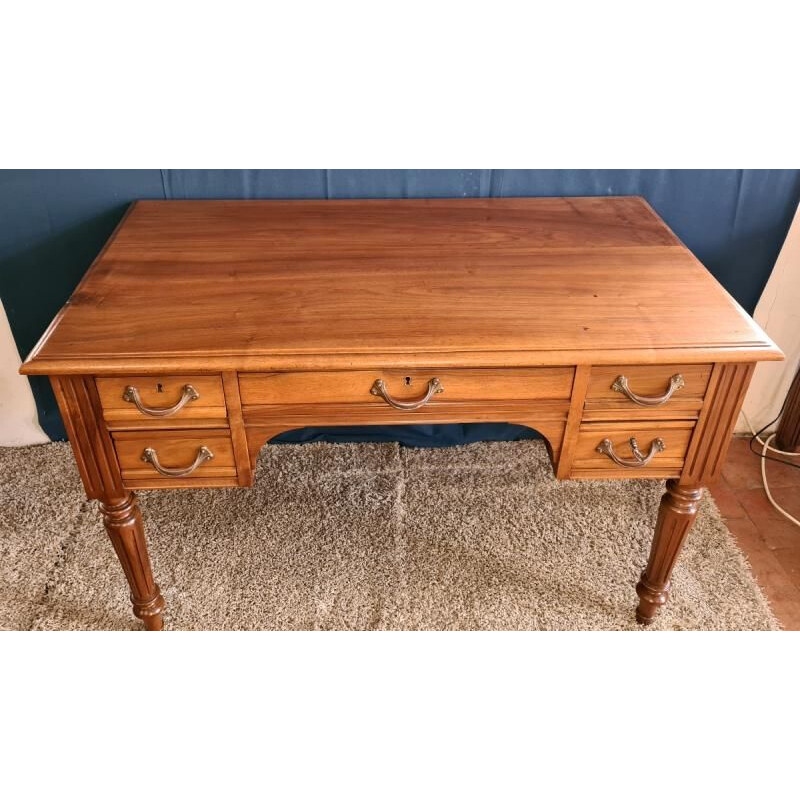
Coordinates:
<point>162,400</point>
<point>658,448</point>
<point>652,390</point>
<point>409,387</point>
<point>155,457</point>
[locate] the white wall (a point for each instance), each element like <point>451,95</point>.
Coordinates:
<point>18,420</point>
<point>778,313</point>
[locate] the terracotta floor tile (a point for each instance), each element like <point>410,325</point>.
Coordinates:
<point>787,497</point>
<point>775,529</point>
<point>780,475</point>
<point>782,593</point>
<point>770,542</point>
<point>727,501</point>
<point>747,535</point>
<point>771,575</point>
<point>787,612</point>
<point>789,559</point>
<point>742,469</point>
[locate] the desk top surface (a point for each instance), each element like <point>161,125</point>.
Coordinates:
<point>300,284</point>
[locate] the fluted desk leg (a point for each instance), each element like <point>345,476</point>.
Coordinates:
<point>123,521</point>
<point>676,514</point>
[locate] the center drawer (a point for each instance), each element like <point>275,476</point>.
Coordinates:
<point>409,386</point>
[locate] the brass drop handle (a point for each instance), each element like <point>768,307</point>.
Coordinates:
<point>621,385</point>
<point>203,455</point>
<point>131,395</point>
<point>379,388</point>
<point>639,458</point>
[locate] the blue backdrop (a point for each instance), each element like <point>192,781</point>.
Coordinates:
<point>54,222</point>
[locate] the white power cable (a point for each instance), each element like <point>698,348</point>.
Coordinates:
<point>766,485</point>
<point>767,448</point>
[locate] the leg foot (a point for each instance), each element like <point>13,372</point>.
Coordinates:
<point>123,522</point>
<point>676,514</point>
<point>150,613</point>
<point>651,599</point>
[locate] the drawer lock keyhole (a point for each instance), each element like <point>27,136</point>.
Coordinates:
<point>407,381</point>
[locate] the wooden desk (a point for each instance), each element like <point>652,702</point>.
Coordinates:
<point>205,328</point>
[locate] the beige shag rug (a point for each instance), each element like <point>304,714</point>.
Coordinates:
<point>366,537</point>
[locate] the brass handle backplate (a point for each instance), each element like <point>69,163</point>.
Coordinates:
<point>639,459</point>
<point>621,385</point>
<point>131,395</point>
<point>379,389</point>
<point>203,455</point>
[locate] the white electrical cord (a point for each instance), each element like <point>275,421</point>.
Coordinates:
<point>766,485</point>
<point>766,448</point>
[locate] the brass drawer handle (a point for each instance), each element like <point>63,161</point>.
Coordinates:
<point>621,385</point>
<point>639,458</point>
<point>203,454</point>
<point>131,395</point>
<point>379,388</point>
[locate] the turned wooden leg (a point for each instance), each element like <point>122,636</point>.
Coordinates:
<point>123,522</point>
<point>676,514</point>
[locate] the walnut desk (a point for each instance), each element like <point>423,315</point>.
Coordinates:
<point>205,328</point>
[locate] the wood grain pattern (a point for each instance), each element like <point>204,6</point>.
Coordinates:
<point>605,404</point>
<point>123,522</point>
<point>715,425</point>
<point>650,379</point>
<point>192,482</point>
<point>382,414</point>
<point>400,361</point>
<point>160,391</point>
<point>674,433</point>
<point>604,411</point>
<point>283,315</point>
<point>266,283</point>
<point>676,514</point>
<point>578,396</point>
<point>615,473</point>
<point>99,469</point>
<point>91,443</point>
<point>471,385</point>
<point>233,400</point>
<point>175,449</point>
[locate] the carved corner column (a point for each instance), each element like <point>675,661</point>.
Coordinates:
<point>99,469</point>
<point>787,437</point>
<point>703,465</point>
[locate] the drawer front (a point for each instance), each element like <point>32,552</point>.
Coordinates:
<point>174,453</point>
<point>657,390</point>
<point>463,385</point>
<point>649,458</point>
<point>161,400</point>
